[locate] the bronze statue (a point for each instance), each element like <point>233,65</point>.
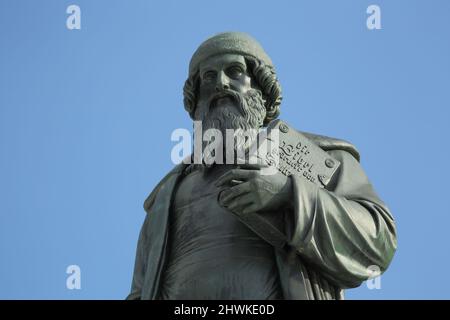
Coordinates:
<point>202,237</point>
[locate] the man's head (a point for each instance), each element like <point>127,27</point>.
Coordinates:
<point>232,84</point>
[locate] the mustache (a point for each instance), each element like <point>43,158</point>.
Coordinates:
<point>233,95</point>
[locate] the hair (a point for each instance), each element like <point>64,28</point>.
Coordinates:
<point>265,78</point>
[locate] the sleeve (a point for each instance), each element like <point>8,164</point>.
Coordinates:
<point>344,230</point>
<point>140,263</point>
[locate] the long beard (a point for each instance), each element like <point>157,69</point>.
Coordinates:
<point>245,119</point>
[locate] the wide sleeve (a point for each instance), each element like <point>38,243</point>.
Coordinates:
<point>140,263</point>
<point>344,230</point>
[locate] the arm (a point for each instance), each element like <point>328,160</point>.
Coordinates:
<point>341,231</point>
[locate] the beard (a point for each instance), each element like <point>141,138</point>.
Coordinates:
<point>245,117</point>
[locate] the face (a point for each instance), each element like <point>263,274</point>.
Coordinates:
<point>228,98</point>
<point>218,76</point>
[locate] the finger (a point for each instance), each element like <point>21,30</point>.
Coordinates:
<point>235,182</point>
<point>226,196</point>
<point>251,208</point>
<point>240,203</point>
<point>235,174</point>
<point>253,166</point>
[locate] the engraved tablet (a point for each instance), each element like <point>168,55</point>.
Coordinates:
<point>297,155</point>
<point>300,156</point>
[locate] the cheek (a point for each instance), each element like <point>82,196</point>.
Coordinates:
<point>204,92</point>
<point>245,84</point>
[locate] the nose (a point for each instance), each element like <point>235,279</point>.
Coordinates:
<point>222,83</point>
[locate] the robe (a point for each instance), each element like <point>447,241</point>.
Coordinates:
<point>335,235</point>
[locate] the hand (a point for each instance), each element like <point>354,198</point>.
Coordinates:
<point>251,190</point>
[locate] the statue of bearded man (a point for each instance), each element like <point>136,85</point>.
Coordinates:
<point>192,246</point>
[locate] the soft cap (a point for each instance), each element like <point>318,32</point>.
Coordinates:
<point>228,42</point>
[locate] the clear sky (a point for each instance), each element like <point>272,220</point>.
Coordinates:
<point>86,117</point>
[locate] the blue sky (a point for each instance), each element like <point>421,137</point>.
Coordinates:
<point>86,117</point>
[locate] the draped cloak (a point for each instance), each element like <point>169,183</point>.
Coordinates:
<point>335,235</point>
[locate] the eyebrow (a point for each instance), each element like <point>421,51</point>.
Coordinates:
<point>231,64</point>
<point>234,63</point>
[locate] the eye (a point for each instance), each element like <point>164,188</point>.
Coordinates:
<point>209,75</point>
<point>235,72</point>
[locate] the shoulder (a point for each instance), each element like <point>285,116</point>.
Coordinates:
<point>332,144</point>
